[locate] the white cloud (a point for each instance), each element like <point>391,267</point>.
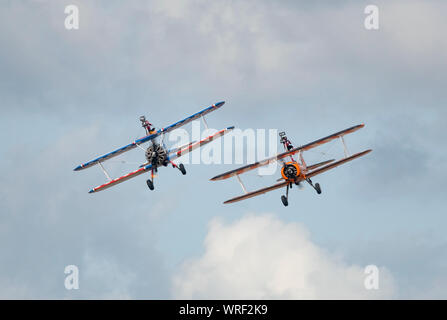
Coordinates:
<point>262,257</point>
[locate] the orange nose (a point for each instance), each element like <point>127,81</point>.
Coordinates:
<point>290,170</point>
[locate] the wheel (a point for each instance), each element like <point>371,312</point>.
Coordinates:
<point>318,188</point>
<point>182,168</point>
<point>284,200</point>
<point>150,184</point>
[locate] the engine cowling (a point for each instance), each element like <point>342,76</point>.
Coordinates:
<point>156,155</point>
<point>290,171</point>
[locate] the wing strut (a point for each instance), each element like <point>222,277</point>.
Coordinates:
<point>345,148</point>
<point>242,184</point>
<point>140,147</point>
<point>104,170</point>
<point>302,160</point>
<point>204,122</point>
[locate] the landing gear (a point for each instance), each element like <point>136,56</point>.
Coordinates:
<point>284,200</point>
<point>150,182</point>
<point>316,186</point>
<point>182,169</point>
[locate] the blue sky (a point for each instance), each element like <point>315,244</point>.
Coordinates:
<point>307,69</point>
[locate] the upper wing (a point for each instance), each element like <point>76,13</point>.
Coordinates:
<point>112,154</point>
<point>327,139</point>
<point>267,161</point>
<point>336,164</point>
<point>257,192</point>
<point>189,119</point>
<point>134,144</point>
<point>121,179</point>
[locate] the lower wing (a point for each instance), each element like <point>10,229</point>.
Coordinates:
<point>122,178</point>
<point>308,175</point>
<point>319,164</point>
<point>257,192</point>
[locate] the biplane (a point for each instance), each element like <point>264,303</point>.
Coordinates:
<point>293,172</point>
<point>157,154</point>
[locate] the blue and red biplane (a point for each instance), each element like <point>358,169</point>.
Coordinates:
<point>157,154</point>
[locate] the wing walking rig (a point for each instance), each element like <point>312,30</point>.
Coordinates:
<point>157,154</point>
<point>293,171</point>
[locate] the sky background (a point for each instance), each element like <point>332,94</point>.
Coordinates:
<point>307,68</point>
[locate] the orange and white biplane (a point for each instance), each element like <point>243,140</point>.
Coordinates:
<point>294,172</point>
